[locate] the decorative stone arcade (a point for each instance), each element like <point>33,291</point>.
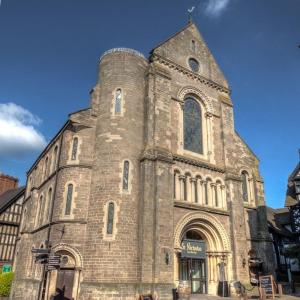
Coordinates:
<point>218,250</point>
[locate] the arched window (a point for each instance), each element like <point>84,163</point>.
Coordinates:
<point>193,45</point>
<point>69,199</point>
<point>110,218</point>
<point>46,167</point>
<point>118,101</point>
<point>245,191</point>
<point>74,148</point>
<point>208,192</point>
<point>196,190</point>
<point>192,126</point>
<point>184,189</point>
<point>125,175</point>
<point>54,161</point>
<point>39,211</point>
<point>48,205</point>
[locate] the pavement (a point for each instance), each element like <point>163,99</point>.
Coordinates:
<point>208,297</point>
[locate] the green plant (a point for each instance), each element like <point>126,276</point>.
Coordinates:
<point>5,283</point>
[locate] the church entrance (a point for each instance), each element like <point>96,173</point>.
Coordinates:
<point>64,284</point>
<point>192,262</point>
<point>194,270</point>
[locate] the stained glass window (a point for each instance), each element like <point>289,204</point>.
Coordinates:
<point>245,186</point>
<point>194,65</point>
<point>192,126</point>
<point>74,148</point>
<point>125,175</point>
<point>110,218</point>
<point>118,101</point>
<point>69,200</point>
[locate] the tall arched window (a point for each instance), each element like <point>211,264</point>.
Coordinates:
<point>39,211</point>
<point>74,148</point>
<point>245,191</point>
<point>48,205</point>
<point>196,190</point>
<point>110,218</point>
<point>206,187</point>
<point>215,187</point>
<point>46,167</point>
<point>69,199</point>
<point>118,101</point>
<point>125,175</point>
<point>193,45</point>
<point>192,122</point>
<point>184,189</point>
<point>54,161</point>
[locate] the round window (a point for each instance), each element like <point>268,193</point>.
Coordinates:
<point>194,65</point>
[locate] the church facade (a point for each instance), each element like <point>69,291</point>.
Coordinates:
<point>153,170</point>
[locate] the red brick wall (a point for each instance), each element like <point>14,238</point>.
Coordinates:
<point>7,183</point>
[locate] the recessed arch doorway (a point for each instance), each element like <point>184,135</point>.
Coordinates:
<point>210,247</point>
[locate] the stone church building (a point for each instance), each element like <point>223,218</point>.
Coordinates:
<point>148,187</point>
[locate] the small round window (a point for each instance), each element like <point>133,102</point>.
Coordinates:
<point>194,65</point>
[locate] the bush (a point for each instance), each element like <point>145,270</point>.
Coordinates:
<point>5,283</point>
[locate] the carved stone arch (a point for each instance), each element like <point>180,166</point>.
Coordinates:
<point>204,98</point>
<point>210,227</point>
<point>216,179</point>
<point>72,250</point>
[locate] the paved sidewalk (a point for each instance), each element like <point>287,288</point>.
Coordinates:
<point>207,297</point>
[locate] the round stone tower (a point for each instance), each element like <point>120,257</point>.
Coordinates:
<point>111,253</point>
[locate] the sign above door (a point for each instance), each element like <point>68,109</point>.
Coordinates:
<point>193,249</point>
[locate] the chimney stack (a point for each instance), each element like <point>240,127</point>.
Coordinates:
<point>7,182</point>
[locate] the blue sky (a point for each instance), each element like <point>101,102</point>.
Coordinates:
<point>49,52</point>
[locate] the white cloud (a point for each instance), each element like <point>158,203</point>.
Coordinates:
<point>18,133</point>
<point>214,8</point>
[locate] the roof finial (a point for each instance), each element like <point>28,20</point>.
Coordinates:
<point>190,11</point>
<point>299,154</point>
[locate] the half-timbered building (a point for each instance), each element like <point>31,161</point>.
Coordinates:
<point>10,219</point>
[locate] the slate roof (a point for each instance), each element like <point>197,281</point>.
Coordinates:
<point>277,218</point>
<point>290,192</point>
<point>10,196</point>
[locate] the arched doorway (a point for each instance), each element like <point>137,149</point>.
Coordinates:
<point>192,262</point>
<point>63,283</point>
<point>203,272</point>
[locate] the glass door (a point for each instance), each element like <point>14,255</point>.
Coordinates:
<point>198,278</point>
<point>193,270</point>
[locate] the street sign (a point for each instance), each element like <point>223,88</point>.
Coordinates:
<point>42,258</point>
<point>6,268</point>
<point>40,250</point>
<point>54,260</point>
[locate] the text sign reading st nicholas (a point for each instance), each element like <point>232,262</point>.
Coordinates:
<point>193,249</point>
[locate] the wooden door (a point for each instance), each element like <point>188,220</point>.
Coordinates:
<point>64,284</point>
